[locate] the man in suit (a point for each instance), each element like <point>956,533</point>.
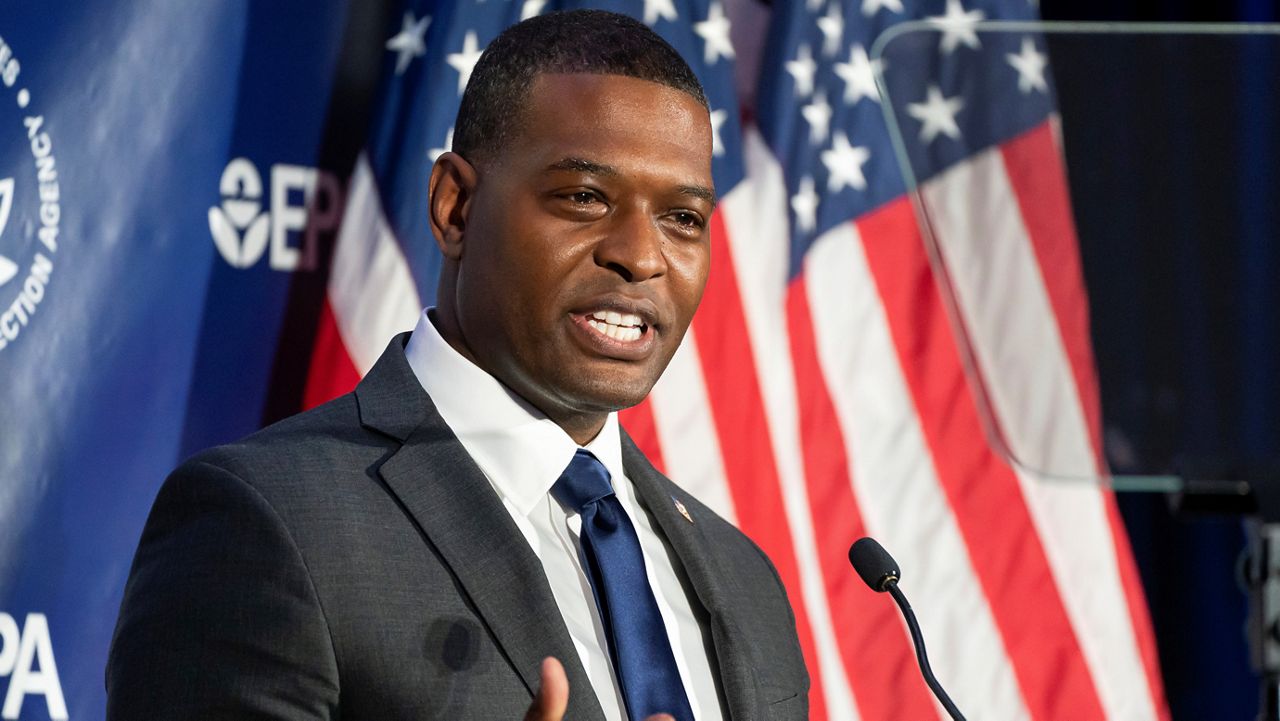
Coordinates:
<point>415,549</point>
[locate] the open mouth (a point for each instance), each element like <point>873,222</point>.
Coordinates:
<point>622,327</point>
<point>625,335</point>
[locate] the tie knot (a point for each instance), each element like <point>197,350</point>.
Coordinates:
<point>585,481</point>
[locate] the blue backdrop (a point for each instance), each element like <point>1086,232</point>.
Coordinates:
<point>125,334</point>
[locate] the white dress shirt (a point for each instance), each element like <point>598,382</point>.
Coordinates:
<point>523,453</point>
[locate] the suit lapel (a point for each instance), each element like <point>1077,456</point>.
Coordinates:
<point>451,501</point>
<point>714,589</point>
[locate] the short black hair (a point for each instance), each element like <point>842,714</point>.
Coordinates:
<point>595,42</point>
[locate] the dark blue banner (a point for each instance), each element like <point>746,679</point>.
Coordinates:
<point>156,165</point>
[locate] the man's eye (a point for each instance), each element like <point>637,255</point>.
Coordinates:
<point>584,197</point>
<point>687,219</point>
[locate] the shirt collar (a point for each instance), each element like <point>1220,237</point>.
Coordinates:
<point>520,450</point>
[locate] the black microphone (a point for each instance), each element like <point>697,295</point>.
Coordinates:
<point>878,569</point>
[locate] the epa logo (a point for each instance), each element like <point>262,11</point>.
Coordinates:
<point>302,203</point>
<point>31,204</point>
<point>26,657</point>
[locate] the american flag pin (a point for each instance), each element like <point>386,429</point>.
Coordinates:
<point>683,511</point>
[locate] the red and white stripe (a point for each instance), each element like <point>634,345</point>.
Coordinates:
<point>370,296</point>
<point>839,403</point>
<point>1002,284</point>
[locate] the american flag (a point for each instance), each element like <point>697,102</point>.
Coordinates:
<point>836,382</point>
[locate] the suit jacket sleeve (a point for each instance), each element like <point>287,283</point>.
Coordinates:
<point>219,617</point>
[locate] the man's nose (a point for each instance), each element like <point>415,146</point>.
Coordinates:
<point>633,246</point>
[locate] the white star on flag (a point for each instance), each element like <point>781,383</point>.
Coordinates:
<point>871,7</point>
<point>957,26</point>
<point>818,115</point>
<point>802,70</point>
<point>655,9</point>
<point>937,115</point>
<point>844,164</point>
<point>805,205</point>
<point>859,76</point>
<point>1030,64</point>
<point>435,153</point>
<point>832,27</point>
<point>531,8</point>
<point>715,33</point>
<point>717,120</point>
<point>410,42</point>
<point>465,60</point>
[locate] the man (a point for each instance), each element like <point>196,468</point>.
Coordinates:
<point>437,544</point>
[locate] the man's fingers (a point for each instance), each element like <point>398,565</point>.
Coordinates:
<point>552,699</point>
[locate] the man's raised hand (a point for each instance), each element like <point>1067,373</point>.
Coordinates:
<point>552,699</point>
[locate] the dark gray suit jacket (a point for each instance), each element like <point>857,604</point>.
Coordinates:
<point>353,562</point>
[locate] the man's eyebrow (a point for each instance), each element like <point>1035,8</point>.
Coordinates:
<point>582,165</point>
<point>698,191</point>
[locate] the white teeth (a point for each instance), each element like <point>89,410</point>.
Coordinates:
<point>615,318</point>
<point>616,331</point>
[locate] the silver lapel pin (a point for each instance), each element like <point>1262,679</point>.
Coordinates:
<point>683,511</point>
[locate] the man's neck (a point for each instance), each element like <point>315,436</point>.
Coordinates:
<point>581,427</point>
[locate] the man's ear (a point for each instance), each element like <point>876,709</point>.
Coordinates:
<point>452,187</point>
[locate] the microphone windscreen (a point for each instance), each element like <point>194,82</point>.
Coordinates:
<point>873,564</point>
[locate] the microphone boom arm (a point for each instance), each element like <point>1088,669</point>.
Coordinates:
<point>917,639</point>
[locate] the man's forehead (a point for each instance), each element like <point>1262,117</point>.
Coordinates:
<point>574,104</point>
<point>611,84</point>
<point>603,124</point>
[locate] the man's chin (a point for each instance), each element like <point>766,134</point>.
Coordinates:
<point>606,393</point>
<point>610,398</point>
<point>575,384</point>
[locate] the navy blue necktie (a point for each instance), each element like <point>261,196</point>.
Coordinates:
<point>638,643</point>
